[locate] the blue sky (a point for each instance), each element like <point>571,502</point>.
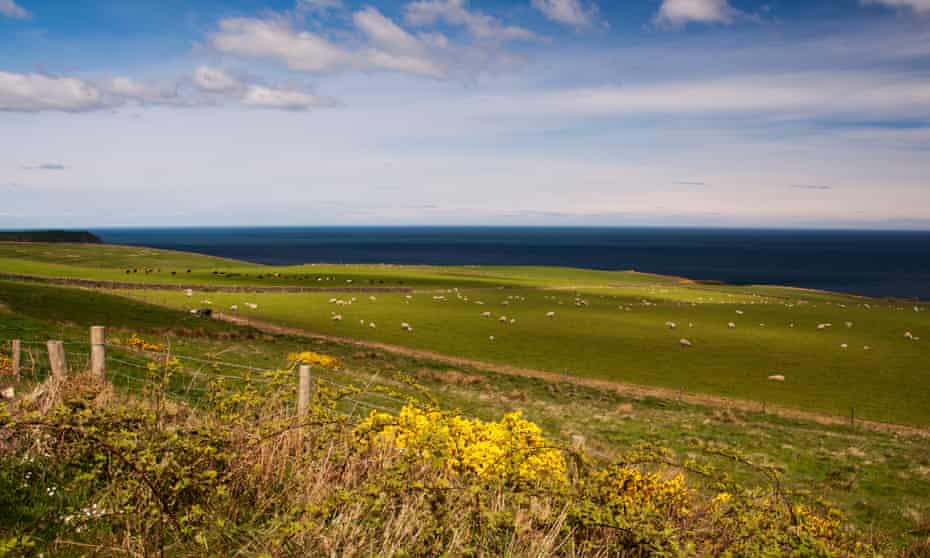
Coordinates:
<point>778,113</point>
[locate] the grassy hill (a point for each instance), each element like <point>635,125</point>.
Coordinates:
<point>880,481</point>
<point>612,326</point>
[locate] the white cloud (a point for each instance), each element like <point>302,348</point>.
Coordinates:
<point>305,51</point>
<point>276,39</point>
<point>145,93</point>
<point>36,92</point>
<point>10,8</point>
<point>214,80</point>
<point>799,95</point>
<point>319,6</point>
<point>568,12</point>
<point>455,12</point>
<point>918,6</point>
<point>385,33</point>
<point>680,12</point>
<point>286,99</point>
<point>397,49</point>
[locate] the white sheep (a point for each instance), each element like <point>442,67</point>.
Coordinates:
<point>550,314</point>
<point>485,314</point>
<point>684,342</point>
<point>502,319</point>
<point>849,324</point>
<point>671,325</point>
<point>234,307</point>
<point>824,326</point>
<point>844,346</point>
<point>337,317</point>
<point>372,325</point>
<point>777,378</point>
<point>731,325</point>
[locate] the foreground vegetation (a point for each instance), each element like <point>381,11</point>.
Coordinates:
<point>880,482</point>
<point>84,468</point>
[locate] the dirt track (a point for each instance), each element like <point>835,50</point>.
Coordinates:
<point>619,387</point>
<point>102,284</point>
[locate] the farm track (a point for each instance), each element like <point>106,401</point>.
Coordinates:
<point>105,284</point>
<point>633,390</point>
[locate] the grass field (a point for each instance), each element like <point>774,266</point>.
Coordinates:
<point>881,481</point>
<point>606,325</point>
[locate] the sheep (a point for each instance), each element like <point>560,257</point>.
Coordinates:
<point>684,342</point>
<point>490,338</point>
<point>844,346</point>
<point>372,298</point>
<point>8,393</point>
<point>234,307</point>
<point>405,326</point>
<point>513,320</point>
<point>550,314</point>
<point>485,314</point>
<point>252,305</point>
<point>849,325</point>
<point>337,317</point>
<point>908,335</point>
<point>731,325</point>
<point>824,326</point>
<point>188,292</point>
<point>777,378</point>
<point>740,312</point>
<point>372,325</point>
<point>671,325</point>
<point>502,319</point>
<point>866,348</point>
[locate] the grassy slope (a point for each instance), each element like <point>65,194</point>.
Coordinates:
<point>882,481</point>
<point>617,336</point>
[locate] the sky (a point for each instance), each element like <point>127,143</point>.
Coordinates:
<point>729,113</point>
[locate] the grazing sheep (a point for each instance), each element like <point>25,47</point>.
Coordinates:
<point>252,305</point>
<point>849,324</point>
<point>372,298</point>
<point>684,342</point>
<point>908,335</point>
<point>866,348</point>
<point>337,317</point>
<point>490,338</point>
<point>234,307</point>
<point>550,314</point>
<point>844,346</point>
<point>372,325</point>
<point>405,326</point>
<point>777,378</point>
<point>740,312</point>
<point>513,320</point>
<point>8,393</point>
<point>731,325</point>
<point>824,326</point>
<point>188,292</point>
<point>502,319</point>
<point>485,314</point>
<point>671,325</point>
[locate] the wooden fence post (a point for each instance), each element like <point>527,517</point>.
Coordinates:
<point>98,352</point>
<point>303,391</point>
<point>15,349</point>
<point>56,358</point>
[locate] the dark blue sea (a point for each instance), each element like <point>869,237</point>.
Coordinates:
<point>877,263</point>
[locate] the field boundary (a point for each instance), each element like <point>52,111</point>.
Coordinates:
<point>635,390</point>
<point>107,284</point>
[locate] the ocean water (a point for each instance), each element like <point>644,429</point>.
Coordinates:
<point>876,263</point>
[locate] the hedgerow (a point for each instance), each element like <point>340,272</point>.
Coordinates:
<point>85,470</point>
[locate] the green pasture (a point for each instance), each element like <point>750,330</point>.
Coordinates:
<point>881,481</point>
<point>607,325</point>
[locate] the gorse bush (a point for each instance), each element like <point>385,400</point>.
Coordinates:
<point>512,449</point>
<point>90,471</point>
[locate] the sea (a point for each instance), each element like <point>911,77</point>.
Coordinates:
<point>874,263</point>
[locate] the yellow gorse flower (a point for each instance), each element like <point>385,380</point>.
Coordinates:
<point>141,344</point>
<point>511,449</point>
<point>312,358</point>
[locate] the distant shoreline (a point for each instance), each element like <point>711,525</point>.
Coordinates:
<point>54,236</point>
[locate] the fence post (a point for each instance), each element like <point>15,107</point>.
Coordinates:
<point>15,349</point>
<point>98,352</point>
<point>303,392</point>
<point>56,358</point>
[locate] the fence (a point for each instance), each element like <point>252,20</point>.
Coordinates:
<point>35,359</point>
